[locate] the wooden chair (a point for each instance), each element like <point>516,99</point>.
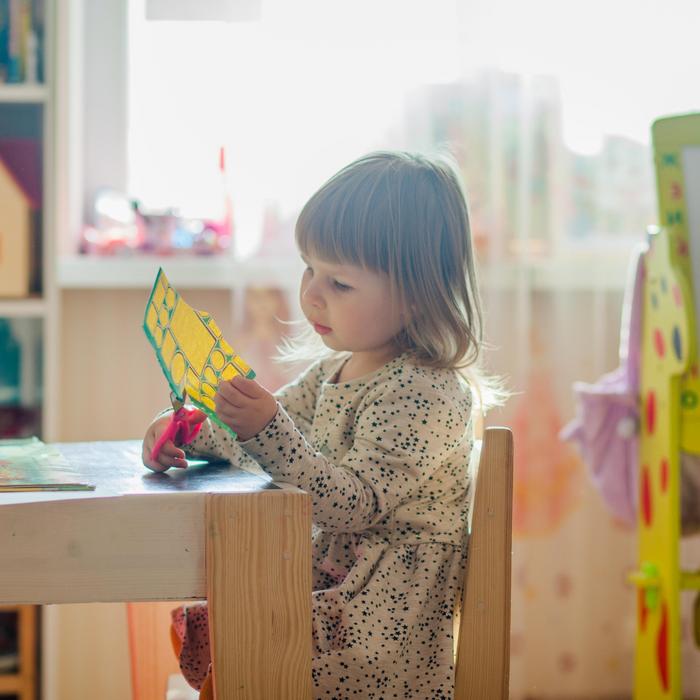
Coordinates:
<point>483,650</point>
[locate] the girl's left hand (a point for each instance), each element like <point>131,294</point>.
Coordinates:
<point>245,406</point>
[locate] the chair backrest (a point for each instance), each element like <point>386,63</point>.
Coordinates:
<point>483,651</point>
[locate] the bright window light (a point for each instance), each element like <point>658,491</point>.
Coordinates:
<point>315,84</point>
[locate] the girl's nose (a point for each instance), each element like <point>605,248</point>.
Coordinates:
<point>311,294</point>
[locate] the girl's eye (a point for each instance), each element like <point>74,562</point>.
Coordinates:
<point>341,287</point>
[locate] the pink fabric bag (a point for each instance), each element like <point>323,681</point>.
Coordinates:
<point>606,426</point>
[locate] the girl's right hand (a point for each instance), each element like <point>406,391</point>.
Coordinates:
<point>170,455</point>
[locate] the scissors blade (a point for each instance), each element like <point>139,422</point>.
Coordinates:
<point>177,404</point>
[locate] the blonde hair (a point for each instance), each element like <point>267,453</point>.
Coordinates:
<point>405,214</point>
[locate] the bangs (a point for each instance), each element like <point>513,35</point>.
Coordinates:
<point>406,215</point>
<point>349,220</point>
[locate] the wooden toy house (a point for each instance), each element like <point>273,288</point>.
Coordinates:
<point>18,209</point>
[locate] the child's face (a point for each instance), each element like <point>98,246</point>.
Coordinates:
<point>350,308</point>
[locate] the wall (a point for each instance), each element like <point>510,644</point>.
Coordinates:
<point>111,388</point>
<point>112,384</point>
<point>85,652</point>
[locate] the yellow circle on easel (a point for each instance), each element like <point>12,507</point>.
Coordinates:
<point>177,367</point>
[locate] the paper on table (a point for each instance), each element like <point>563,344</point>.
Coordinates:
<point>30,465</point>
<point>189,346</point>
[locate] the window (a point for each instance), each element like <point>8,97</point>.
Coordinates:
<point>553,163</point>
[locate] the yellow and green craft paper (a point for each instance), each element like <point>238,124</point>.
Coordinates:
<point>190,348</point>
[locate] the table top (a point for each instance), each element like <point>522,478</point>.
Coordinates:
<point>115,469</point>
<point>139,535</point>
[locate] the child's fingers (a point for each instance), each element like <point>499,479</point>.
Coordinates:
<point>248,387</point>
<point>226,409</point>
<point>146,458</point>
<point>168,456</point>
<point>148,461</point>
<point>170,451</point>
<point>230,394</point>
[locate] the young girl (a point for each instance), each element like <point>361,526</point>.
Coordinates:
<point>378,431</point>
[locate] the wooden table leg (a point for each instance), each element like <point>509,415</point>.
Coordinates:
<point>259,594</point>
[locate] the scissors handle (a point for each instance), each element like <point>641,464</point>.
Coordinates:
<point>187,422</point>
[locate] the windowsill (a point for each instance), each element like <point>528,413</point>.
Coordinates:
<point>86,272</point>
<point>139,272</point>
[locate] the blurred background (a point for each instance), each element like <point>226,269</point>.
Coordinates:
<point>189,136</point>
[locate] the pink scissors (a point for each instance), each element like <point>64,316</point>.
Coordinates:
<point>185,421</point>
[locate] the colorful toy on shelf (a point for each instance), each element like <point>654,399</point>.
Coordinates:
<point>190,348</point>
<point>122,225</point>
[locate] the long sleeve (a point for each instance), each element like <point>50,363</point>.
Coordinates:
<point>299,401</point>
<point>400,439</point>
<point>300,396</point>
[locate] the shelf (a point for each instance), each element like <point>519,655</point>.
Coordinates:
<point>23,93</point>
<point>11,683</point>
<point>86,272</point>
<point>22,308</point>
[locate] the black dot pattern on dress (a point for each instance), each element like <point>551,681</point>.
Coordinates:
<point>385,459</point>
<point>195,655</point>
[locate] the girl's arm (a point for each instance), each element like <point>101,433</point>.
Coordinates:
<point>389,459</point>
<point>299,401</point>
<point>298,398</point>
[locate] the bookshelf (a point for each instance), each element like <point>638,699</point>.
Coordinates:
<point>28,111</point>
<point>18,663</point>
<point>28,116</point>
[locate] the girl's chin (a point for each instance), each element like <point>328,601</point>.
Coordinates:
<point>332,343</point>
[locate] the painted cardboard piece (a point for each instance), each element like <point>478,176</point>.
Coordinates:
<point>190,348</point>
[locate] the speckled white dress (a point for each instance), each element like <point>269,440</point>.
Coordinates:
<point>385,458</point>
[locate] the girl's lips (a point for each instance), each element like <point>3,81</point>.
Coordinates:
<point>321,330</point>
